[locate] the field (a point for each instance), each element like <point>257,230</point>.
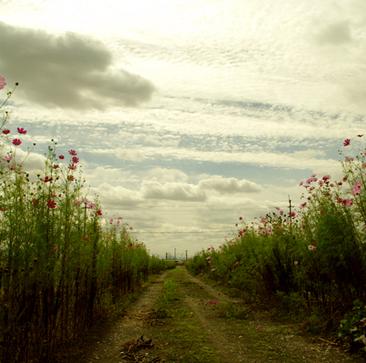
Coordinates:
<point>63,266</point>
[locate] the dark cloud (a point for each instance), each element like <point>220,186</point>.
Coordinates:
<point>69,71</point>
<point>334,34</point>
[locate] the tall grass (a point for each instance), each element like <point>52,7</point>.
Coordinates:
<point>59,267</point>
<point>310,258</point>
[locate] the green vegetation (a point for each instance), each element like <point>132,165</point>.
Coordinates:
<point>179,336</point>
<point>60,269</point>
<point>308,262</point>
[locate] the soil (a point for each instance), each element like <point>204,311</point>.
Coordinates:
<point>180,318</point>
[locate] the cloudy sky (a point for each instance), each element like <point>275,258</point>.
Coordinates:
<point>189,113</point>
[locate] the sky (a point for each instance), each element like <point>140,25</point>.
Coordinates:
<point>188,114</point>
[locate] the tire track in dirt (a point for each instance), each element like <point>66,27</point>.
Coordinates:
<point>107,349</point>
<point>228,351</point>
<point>254,339</point>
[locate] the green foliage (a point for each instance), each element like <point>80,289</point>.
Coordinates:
<point>307,262</point>
<point>60,267</point>
<point>352,329</point>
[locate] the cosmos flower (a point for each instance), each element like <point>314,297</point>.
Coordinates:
<point>17,142</point>
<point>356,190</point>
<point>51,204</point>
<point>2,82</point>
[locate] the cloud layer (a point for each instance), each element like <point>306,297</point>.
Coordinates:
<point>68,71</point>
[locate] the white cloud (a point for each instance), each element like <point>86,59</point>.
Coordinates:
<point>166,175</point>
<point>229,185</point>
<point>173,191</point>
<point>117,197</point>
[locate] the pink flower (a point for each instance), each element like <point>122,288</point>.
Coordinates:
<point>6,132</point>
<point>2,82</point>
<point>75,159</point>
<point>17,142</point>
<point>241,233</point>
<point>346,142</point>
<point>292,214</point>
<point>51,204</point>
<point>21,130</point>
<point>326,178</point>
<point>61,157</point>
<point>356,190</point>
<point>72,152</point>
<point>347,202</point>
<point>99,212</point>
<point>8,157</point>
<point>303,205</point>
<point>311,180</point>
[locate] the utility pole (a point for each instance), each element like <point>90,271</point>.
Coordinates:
<point>290,212</point>
<point>186,255</point>
<point>175,253</point>
<point>166,255</point>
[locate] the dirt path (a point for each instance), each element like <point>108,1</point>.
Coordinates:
<point>107,347</point>
<point>189,321</point>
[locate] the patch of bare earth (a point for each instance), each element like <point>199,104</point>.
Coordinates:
<point>240,335</point>
<point>123,333</point>
<point>182,319</point>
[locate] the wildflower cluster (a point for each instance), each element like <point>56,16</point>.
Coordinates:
<point>313,253</point>
<point>59,268</point>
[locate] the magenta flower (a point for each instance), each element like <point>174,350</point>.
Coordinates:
<point>6,132</point>
<point>326,178</point>
<point>311,179</point>
<point>346,142</point>
<point>2,82</point>
<point>99,212</point>
<point>292,214</point>
<point>61,157</point>
<point>17,142</point>
<point>347,202</point>
<point>75,159</point>
<point>72,152</point>
<point>356,190</point>
<point>21,130</point>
